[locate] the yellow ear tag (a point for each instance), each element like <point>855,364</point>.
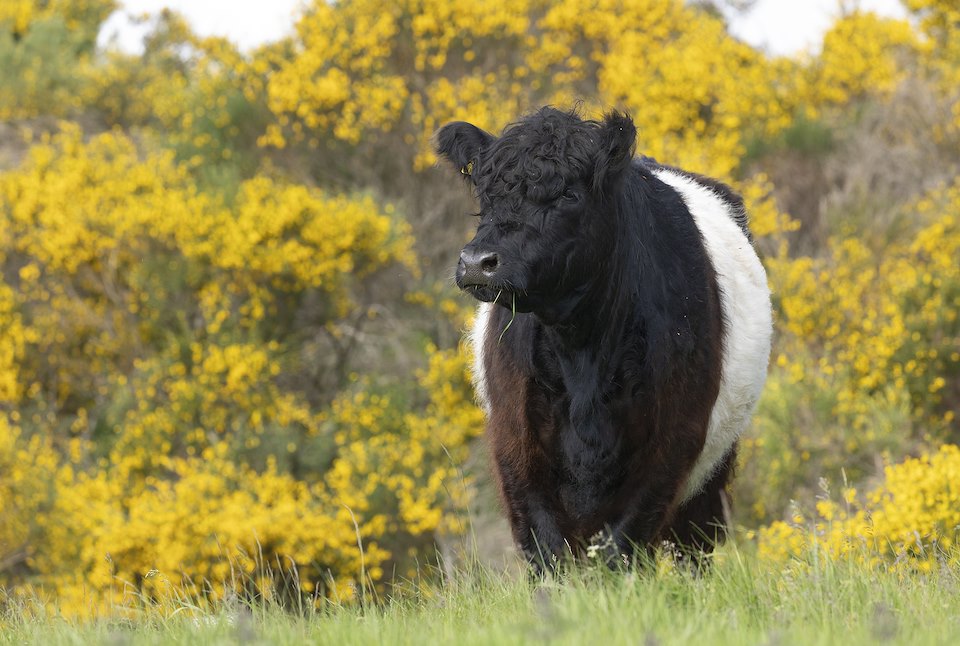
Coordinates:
<point>466,170</point>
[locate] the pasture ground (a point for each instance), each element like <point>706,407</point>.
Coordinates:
<point>739,601</point>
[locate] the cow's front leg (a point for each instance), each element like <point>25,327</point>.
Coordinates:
<point>645,512</point>
<point>636,530</point>
<point>534,521</point>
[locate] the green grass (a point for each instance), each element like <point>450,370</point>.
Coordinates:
<point>736,602</point>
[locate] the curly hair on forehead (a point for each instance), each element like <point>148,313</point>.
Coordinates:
<point>538,156</point>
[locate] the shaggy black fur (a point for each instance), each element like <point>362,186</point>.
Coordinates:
<point>601,388</point>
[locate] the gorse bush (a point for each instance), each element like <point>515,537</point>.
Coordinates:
<point>199,96</point>
<point>367,68</point>
<point>84,16</point>
<point>45,52</point>
<point>910,520</point>
<point>149,336</point>
<point>868,355</point>
<point>229,360</point>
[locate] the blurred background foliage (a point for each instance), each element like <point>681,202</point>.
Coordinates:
<point>229,341</point>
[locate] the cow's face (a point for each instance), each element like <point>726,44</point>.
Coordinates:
<point>545,189</point>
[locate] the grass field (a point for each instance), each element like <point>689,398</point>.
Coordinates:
<point>737,602</point>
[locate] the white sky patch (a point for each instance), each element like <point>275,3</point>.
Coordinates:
<point>248,23</point>
<point>785,27</point>
<point>779,27</point>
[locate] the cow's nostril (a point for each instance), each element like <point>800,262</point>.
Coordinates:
<point>489,263</point>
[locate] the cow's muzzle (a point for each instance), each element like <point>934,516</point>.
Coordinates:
<point>477,268</point>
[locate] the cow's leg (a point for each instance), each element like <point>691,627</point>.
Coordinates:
<point>649,498</point>
<point>651,514</point>
<point>700,524</point>
<point>642,520</point>
<point>533,520</point>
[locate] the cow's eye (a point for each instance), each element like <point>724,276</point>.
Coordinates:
<point>569,196</point>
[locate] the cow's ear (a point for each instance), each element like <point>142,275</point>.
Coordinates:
<point>460,143</point>
<point>617,140</point>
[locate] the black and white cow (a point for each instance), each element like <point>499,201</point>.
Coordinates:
<point>623,336</point>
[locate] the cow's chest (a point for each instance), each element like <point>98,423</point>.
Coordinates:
<point>584,446</point>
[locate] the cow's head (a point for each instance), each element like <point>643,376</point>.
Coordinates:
<point>545,189</point>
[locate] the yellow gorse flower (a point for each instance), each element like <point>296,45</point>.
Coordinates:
<point>911,520</point>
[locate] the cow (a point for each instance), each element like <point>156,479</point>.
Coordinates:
<point>622,337</point>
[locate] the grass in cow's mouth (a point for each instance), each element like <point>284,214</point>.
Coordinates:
<point>513,310</point>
